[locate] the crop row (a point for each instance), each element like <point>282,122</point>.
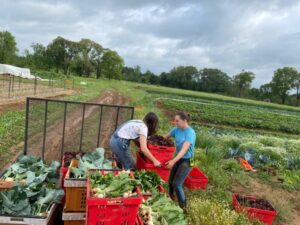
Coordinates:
<point>237,117</point>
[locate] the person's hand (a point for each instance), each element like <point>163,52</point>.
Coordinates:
<point>170,164</point>
<point>157,163</point>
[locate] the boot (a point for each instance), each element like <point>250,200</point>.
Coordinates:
<point>183,206</point>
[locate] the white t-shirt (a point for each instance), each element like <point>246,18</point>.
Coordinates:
<point>133,129</point>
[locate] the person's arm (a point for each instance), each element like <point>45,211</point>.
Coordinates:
<point>171,133</point>
<point>181,153</point>
<point>147,153</point>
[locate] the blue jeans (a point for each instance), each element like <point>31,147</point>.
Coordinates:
<point>120,147</point>
<point>179,172</point>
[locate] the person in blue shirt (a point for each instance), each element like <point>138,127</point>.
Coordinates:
<point>180,165</point>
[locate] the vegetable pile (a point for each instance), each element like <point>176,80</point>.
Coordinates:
<point>161,210</point>
<point>148,180</point>
<point>32,171</point>
<point>112,185</point>
<point>93,160</point>
<point>254,203</point>
<point>35,188</point>
<point>160,141</point>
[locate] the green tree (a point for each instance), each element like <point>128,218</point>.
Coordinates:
<point>39,58</point>
<point>214,80</point>
<point>283,81</point>
<point>56,51</point>
<point>296,85</point>
<point>242,81</point>
<point>111,65</point>
<point>182,76</point>
<point>8,47</point>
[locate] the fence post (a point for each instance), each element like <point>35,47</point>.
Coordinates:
<point>117,119</point>
<point>99,128</point>
<point>35,84</point>
<point>26,126</point>
<point>82,125</point>
<point>9,86</point>
<point>45,128</point>
<point>63,134</point>
<point>13,82</point>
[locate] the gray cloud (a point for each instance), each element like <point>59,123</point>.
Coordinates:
<point>232,35</point>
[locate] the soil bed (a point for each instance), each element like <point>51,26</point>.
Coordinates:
<point>160,141</point>
<point>255,203</point>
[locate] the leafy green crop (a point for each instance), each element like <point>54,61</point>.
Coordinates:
<point>149,180</point>
<point>93,160</point>
<point>246,117</point>
<point>111,186</point>
<point>161,210</point>
<point>32,171</point>
<point>35,189</point>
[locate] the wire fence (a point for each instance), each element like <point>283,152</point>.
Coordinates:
<point>12,87</point>
<point>53,127</point>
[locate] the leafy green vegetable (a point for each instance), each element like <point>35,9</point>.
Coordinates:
<point>161,210</point>
<point>93,160</point>
<point>37,192</point>
<point>111,186</point>
<point>149,181</point>
<point>32,170</point>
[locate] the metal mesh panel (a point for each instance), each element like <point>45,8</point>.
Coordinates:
<point>55,126</point>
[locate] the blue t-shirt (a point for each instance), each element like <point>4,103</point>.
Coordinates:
<point>182,135</point>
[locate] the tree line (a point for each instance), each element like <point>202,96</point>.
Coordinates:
<point>90,59</point>
<point>83,58</point>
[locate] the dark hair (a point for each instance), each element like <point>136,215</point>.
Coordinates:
<point>183,116</point>
<point>151,121</point>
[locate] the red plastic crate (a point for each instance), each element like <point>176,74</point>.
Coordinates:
<point>142,164</point>
<point>161,153</point>
<point>265,216</point>
<point>196,179</point>
<point>138,220</point>
<point>111,211</point>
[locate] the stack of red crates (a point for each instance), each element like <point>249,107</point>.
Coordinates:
<point>110,211</point>
<point>162,154</point>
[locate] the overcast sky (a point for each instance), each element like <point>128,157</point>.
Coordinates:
<point>256,35</point>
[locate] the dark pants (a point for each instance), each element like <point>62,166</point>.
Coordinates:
<point>179,172</point>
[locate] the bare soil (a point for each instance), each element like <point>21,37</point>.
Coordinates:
<point>19,103</point>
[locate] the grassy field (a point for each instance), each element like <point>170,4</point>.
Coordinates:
<point>276,157</point>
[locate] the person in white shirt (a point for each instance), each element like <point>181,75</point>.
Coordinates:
<point>134,130</point>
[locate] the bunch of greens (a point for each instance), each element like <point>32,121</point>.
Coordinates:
<point>161,210</point>
<point>148,180</point>
<point>111,185</point>
<point>93,160</point>
<point>32,171</point>
<point>16,201</point>
<point>34,192</point>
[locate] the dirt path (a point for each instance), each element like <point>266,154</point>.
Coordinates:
<point>19,103</point>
